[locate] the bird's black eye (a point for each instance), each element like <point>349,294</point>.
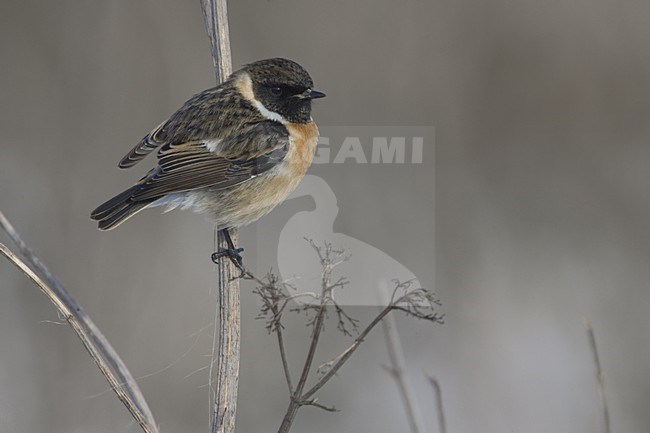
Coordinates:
<point>276,91</point>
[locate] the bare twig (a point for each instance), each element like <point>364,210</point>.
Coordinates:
<point>439,408</point>
<point>411,299</point>
<point>320,406</point>
<point>397,370</point>
<point>599,374</point>
<point>338,362</point>
<point>285,362</point>
<point>215,16</point>
<point>272,297</point>
<point>329,259</point>
<point>107,360</point>
<point>418,303</point>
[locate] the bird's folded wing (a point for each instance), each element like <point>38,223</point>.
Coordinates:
<point>186,124</point>
<point>192,165</point>
<point>202,119</point>
<point>143,148</point>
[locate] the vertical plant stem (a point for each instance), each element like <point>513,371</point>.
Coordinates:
<point>296,397</point>
<point>215,15</point>
<point>442,424</point>
<point>397,370</point>
<point>227,370</point>
<point>599,374</point>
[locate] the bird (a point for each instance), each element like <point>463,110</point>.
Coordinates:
<point>233,152</point>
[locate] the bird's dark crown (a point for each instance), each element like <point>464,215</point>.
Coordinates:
<point>284,87</point>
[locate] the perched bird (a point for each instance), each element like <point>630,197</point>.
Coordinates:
<point>233,152</point>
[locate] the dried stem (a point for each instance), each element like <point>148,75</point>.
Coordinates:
<point>599,374</point>
<point>228,350</point>
<point>107,360</point>
<point>411,299</point>
<point>272,296</point>
<point>418,303</point>
<point>297,398</point>
<point>285,362</point>
<point>397,370</point>
<point>338,362</point>
<point>439,408</point>
<point>215,16</point>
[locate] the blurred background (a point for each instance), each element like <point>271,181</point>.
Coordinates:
<point>540,112</point>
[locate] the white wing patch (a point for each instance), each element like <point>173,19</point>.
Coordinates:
<point>212,145</point>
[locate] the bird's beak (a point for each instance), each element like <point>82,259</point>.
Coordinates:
<point>311,94</point>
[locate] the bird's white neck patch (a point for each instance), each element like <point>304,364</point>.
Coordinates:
<point>271,115</point>
<point>245,86</point>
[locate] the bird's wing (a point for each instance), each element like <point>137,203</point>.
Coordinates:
<point>143,148</point>
<point>201,113</point>
<point>236,159</point>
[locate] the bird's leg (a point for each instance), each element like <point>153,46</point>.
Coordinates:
<point>232,253</point>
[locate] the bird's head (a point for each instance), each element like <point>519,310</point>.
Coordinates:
<point>281,89</point>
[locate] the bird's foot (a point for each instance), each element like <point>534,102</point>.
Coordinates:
<point>233,255</point>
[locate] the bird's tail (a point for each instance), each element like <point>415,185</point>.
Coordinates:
<point>118,209</point>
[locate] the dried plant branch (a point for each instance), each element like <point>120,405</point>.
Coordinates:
<point>407,302</point>
<point>320,406</point>
<point>228,350</point>
<point>215,16</point>
<point>419,303</point>
<point>439,408</point>
<point>397,370</point>
<point>275,301</point>
<point>329,260</point>
<point>344,321</point>
<point>338,362</point>
<point>285,362</point>
<point>599,374</point>
<point>107,360</point>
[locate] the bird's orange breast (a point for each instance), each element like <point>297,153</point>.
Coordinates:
<point>254,198</point>
<point>304,138</point>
